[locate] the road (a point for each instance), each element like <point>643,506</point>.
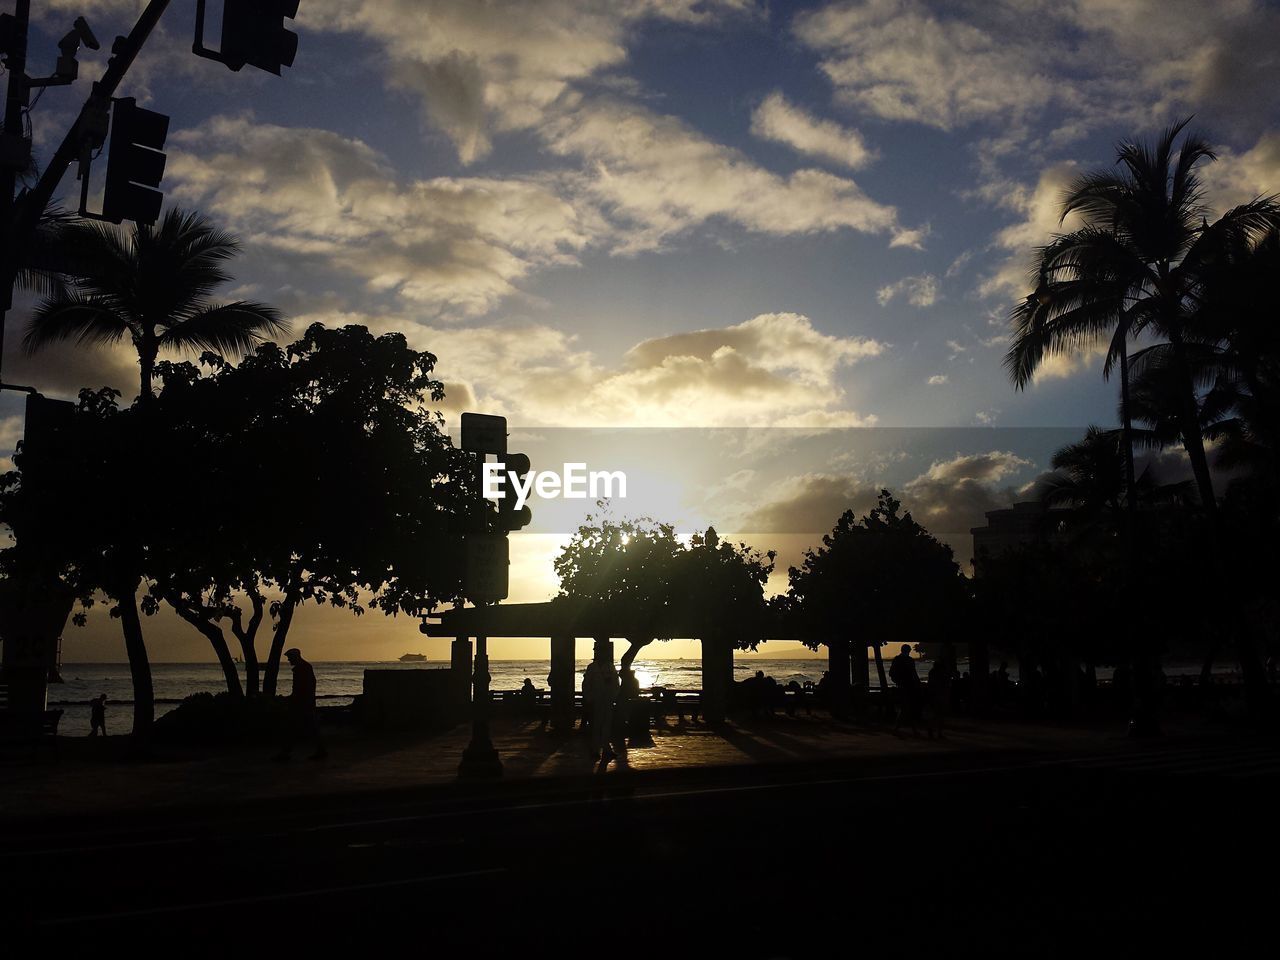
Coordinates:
<point>1007,852</point>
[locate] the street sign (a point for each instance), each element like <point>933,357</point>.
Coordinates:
<point>484,433</point>
<point>485,576</point>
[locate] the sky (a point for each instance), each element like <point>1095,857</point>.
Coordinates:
<point>674,214</point>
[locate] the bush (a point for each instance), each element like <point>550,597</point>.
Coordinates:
<point>206,718</point>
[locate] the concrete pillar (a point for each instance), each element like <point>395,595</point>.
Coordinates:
<point>861,677</point>
<point>459,677</point>
<point>562,681</point>
<point>717,678</point>
<point>838,675</point>
<point>861,666</point>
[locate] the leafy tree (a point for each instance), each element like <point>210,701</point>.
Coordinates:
<point>358,485</point>
<point>877,580</point>
<point>643,575</point>
<point>150,284</point>
<point>77,508</point>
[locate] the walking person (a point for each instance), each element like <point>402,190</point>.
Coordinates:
<point>304,722</point>
<point>903,673</point>
<point>98,715</point>
<point>941,677</point>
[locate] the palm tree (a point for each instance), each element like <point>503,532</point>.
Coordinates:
<point>1137,265</point>
<point>1238,310</point>
<point>150,284</point>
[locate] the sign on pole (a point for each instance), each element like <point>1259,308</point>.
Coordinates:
<point>485,577</point>
<point>484,433</point>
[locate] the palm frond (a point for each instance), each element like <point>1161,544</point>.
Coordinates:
<point>229,329</point>
<point>87,320</point>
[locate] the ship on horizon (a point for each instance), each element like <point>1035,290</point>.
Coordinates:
<point>413,658</point>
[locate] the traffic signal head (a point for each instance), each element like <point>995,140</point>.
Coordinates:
<point>515,466</point>
<point>135,163</point>
<point>253,32</point>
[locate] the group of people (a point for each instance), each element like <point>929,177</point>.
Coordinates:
<point>912,696</point>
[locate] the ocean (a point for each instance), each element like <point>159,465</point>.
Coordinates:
<point>338,682</point>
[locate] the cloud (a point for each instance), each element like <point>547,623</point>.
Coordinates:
<point>953,496</point>
<point>457,245</point>
<point>461,245</point>
<point>1039,209</point>
<point>920,291</point>
<point>1240,177</point>
<point>949,498</point>
<point>657,178</point>
<point>486,68</point>
<point>61,369</point>
<point>1011,62</point>
<point>898,60</point>
<point>771,370</point>
<point>777,119</point>
<point>937,380</point>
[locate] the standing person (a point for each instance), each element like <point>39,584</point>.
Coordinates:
<point>903,673</point>
<point>941,676</point>
<point>587,674</point>
<point>600,689</point>
<point>98,715</point>
<point>303,720</point>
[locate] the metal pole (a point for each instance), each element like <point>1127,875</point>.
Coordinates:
<point>480,758</point>
<point>15,103</point>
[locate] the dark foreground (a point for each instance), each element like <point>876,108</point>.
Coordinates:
<point>1164,847</point>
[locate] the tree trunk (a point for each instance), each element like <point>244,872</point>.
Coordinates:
<point>1192,438</point>
<point>884,681</point>
<point>144,698</point>
<point>147,352</point>
<point>634,646</point>
<point>248,640</point>
<point>272,672</point>
<point>838,674</point>
<point>214,635</point>
<point>1130,483</point>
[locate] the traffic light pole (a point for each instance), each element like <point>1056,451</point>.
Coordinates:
<point>16,96</point>
<point>21,215</point>
<point>480,759</point>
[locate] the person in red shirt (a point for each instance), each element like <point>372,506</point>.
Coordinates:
<point>303,720</point>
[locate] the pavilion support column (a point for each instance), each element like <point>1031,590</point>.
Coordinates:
<point>838,675</point>
<point>717,678</point>
<point>861,664</point>
<point>480,760</point>
<point>459,678</point>
<point>561,681</point>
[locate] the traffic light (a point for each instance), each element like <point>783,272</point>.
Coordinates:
<point>515,466</point>
<point>135,163</point>
<point>253,32</point>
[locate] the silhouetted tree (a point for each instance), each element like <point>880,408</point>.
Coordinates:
<point>358,485</point>
<point>877,580</point>
<point>80,509</point>
<point>151,285</point>
<point>1135,267</point>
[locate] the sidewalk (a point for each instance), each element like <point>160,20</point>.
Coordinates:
<point>93,777</point>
